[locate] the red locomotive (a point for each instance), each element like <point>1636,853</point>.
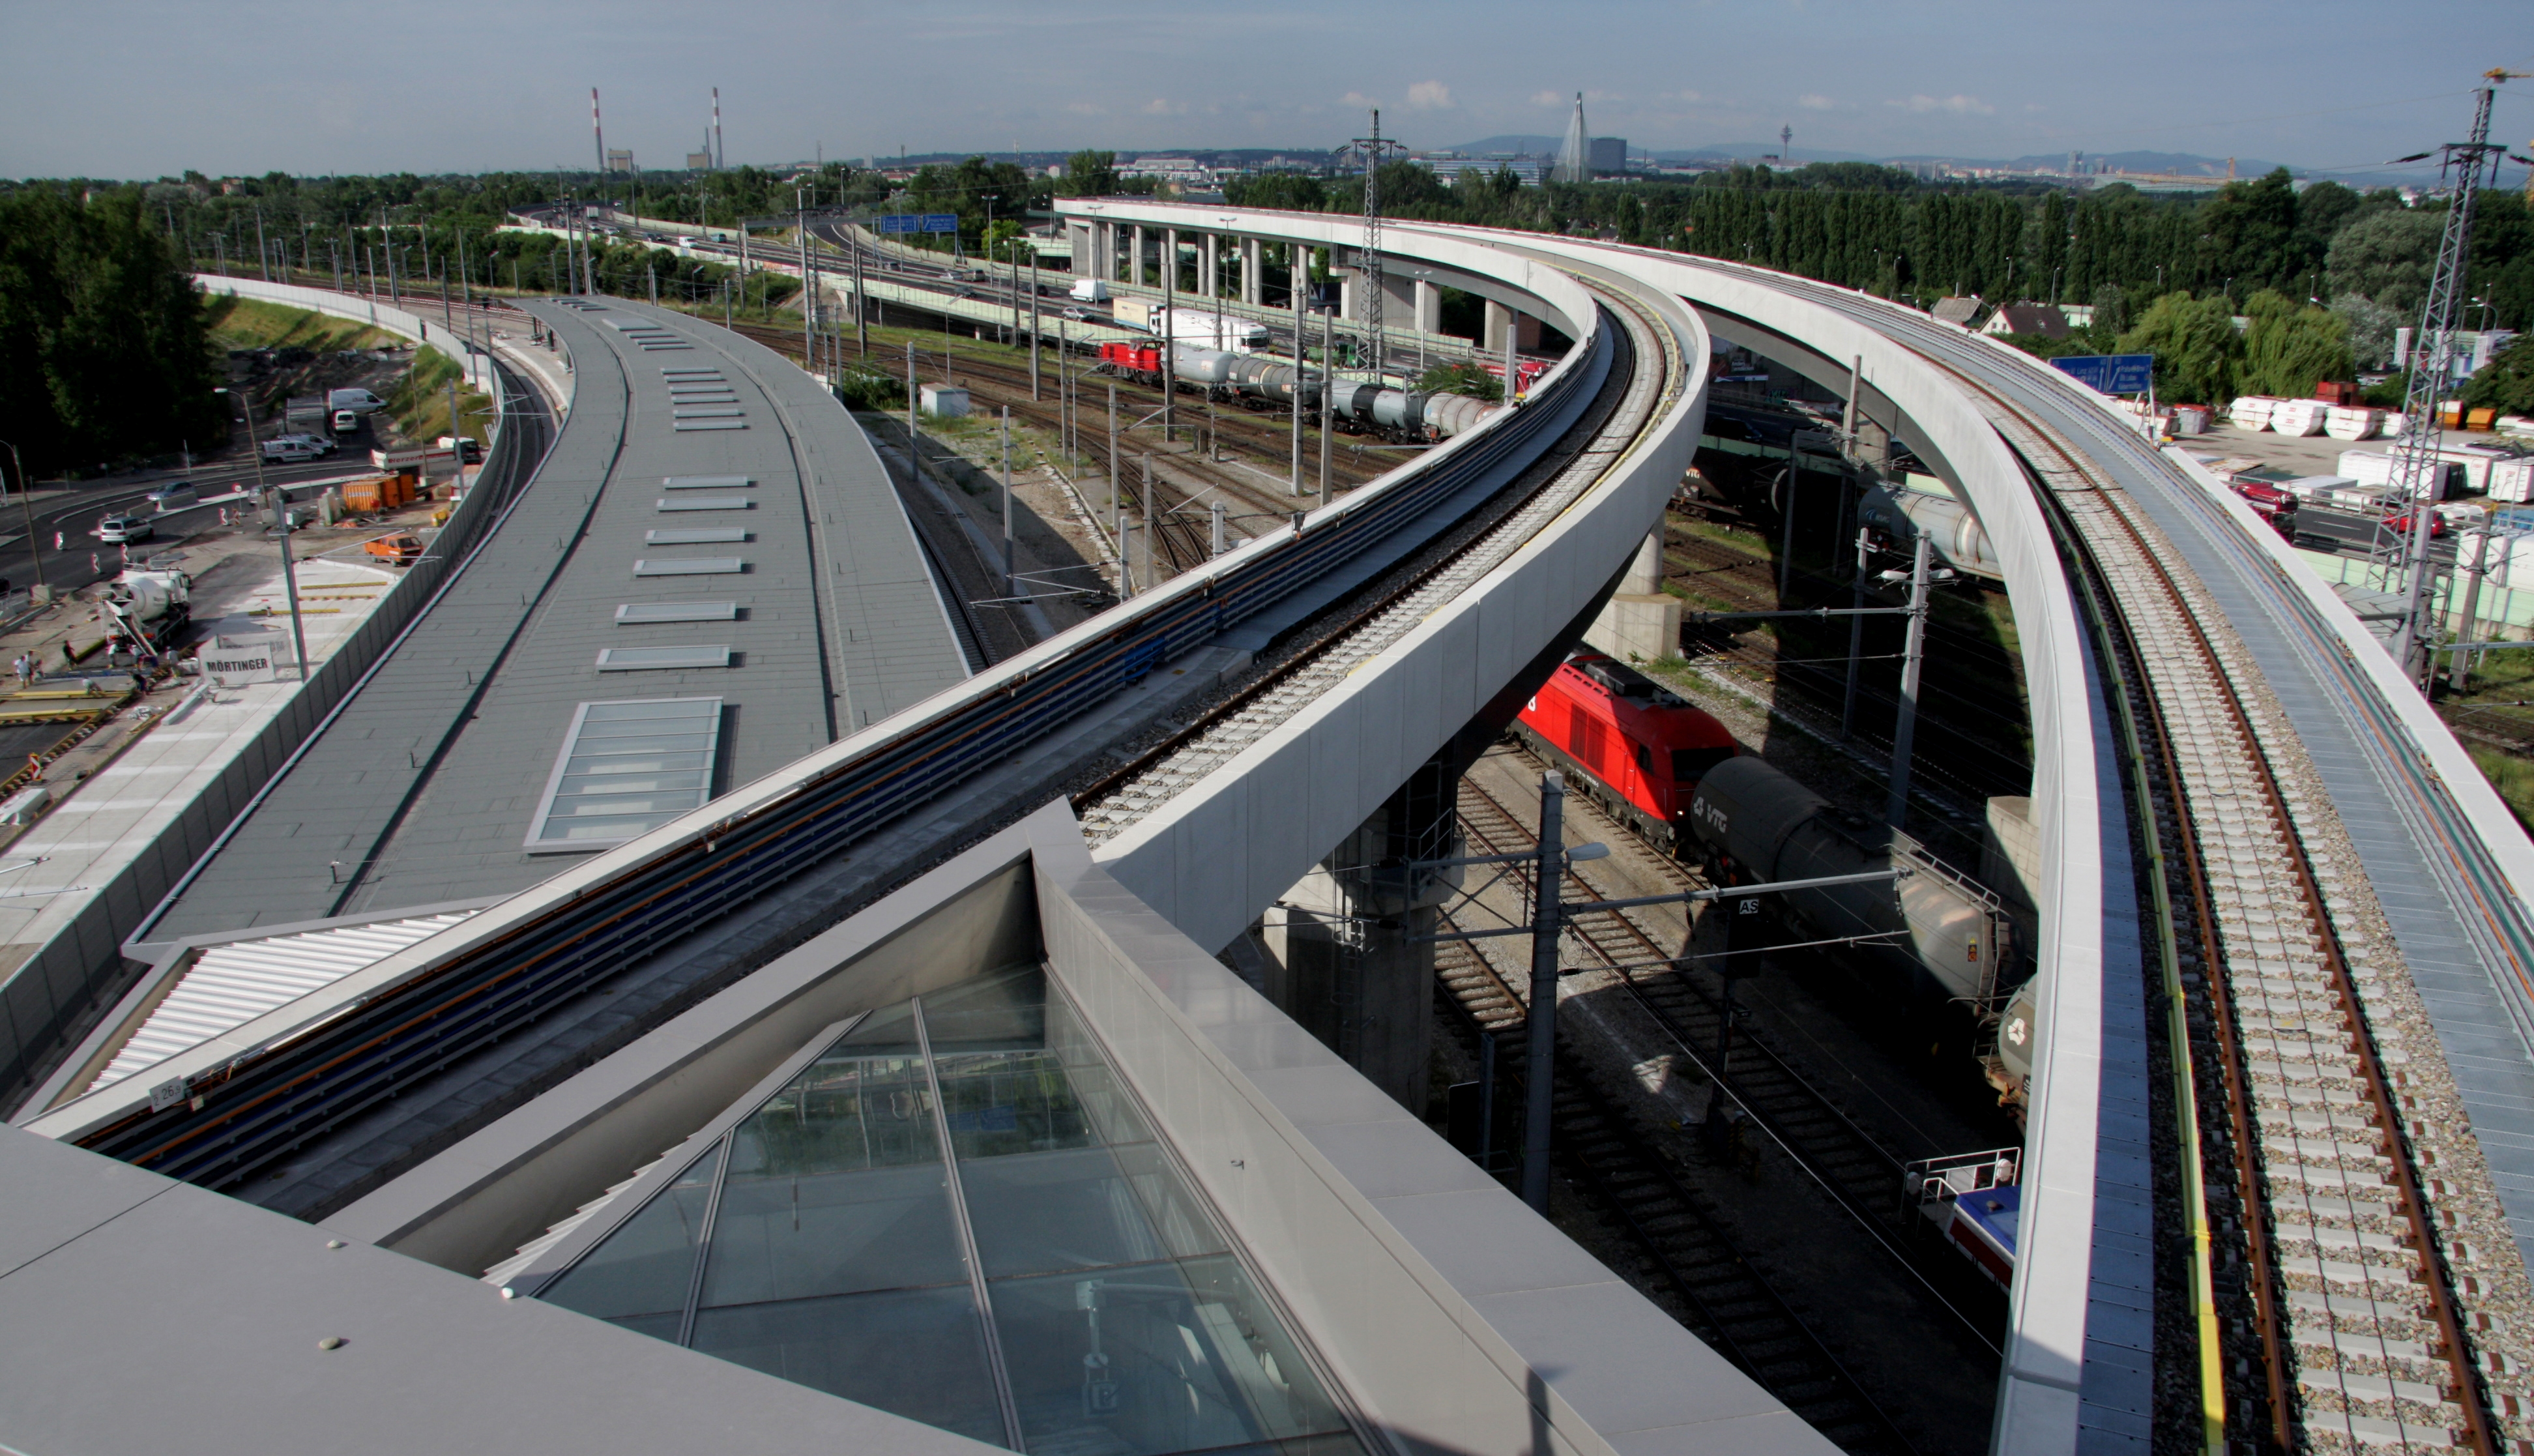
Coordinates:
<point>1140,359</point>
<point>1638,748</point>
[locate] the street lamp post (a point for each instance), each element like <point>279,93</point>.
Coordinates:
<point>26,498</point>
<point>278,501</point>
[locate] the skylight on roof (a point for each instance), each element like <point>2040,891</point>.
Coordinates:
<point>957,1211</point>
<point>626,767</point>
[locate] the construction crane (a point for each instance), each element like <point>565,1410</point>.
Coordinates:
<point>2432,365</point>
<point>1373,149</point>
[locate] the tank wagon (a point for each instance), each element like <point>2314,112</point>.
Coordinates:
<point>1942,933</point>
<point>1894,517</point>
<point>1262,382</point>
<point>1637,747</point>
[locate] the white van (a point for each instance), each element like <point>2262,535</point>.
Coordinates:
<point>1090,290</point>
<point>359,401</point>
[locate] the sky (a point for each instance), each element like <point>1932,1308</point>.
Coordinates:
<point>146,88</point>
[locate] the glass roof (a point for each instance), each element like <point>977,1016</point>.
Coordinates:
<point>1052,1285</point>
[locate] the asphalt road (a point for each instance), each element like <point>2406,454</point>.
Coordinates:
<point>73,515</point>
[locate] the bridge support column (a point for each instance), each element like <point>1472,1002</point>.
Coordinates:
<point>1429,307</point>
<point>1254,283</point>
<point>1209,259</point>
<point>1640,622</point>
<point>1135,262</point>
<point>1344,957</point>
<point>1078,242</point>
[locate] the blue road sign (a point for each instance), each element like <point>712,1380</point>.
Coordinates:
<point>2110,374</point>
<point>901,222</point>
<point>940,222</point>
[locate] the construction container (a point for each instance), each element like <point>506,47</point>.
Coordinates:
<point>2484,419</point>
<point>2513,480</point>
<point>2298,417</point>
<point>379,491</point>
<point>2251,413</point>
<point>2352,422</point>
<point>944,402</point>
<point>2190,419</point>
<point>2336,392</point>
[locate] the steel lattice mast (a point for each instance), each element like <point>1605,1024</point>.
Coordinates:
<point>2415,454</point>
<point>1373,149</point>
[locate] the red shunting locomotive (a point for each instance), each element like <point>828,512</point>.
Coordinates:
<point>1638,748</point>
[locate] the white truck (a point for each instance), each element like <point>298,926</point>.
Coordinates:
<point>1203,328</point>
<point>1089,290</point>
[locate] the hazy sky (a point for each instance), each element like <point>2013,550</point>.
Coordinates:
<point>136,89</point>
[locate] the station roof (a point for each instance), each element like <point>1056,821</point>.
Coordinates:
<point>792,590</point>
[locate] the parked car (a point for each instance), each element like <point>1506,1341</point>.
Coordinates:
<point>322,444</point>
<point>346,421</point>
<point>290,452</point>
<point>179,496</point>
<point>118,529</point>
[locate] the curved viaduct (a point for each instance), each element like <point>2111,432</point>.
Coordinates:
<point>1468,604</point>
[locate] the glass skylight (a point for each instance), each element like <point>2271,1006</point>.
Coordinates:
<point>956,1213</point>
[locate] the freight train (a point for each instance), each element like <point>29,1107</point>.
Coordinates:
<point>1262,383</point>
<point>1675,775</point>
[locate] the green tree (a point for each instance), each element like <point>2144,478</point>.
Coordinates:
<point>1468,379</point>
<point>2291,348</point>
<point>105,346</point>
<point>2370,328</point>
<point>1285,191</point>
<point>2506,383</point>
<point>2387,257</point>
<point>2196,350</point>
<point>1090,174</point>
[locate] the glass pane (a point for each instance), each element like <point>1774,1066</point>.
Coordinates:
<point>583,805</point>
<point>640,1274</point>
<point>1004,1103</point>
<point>621,782</point>
<point>688,708</point>
<point>1154,1359</point>
<point>999,1010</point>
<point>915,1353</point>
<point>836,1185</point>
<point>1037,1213</point>
<point>1112,1115</point>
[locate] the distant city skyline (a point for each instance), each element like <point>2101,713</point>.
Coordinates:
<point>146,87</point>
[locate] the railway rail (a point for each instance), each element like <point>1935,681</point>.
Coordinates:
<point>1655,372</point>
<point>1687,1260</point>
<point>1856,1169</point>
<point>2300,1105</point>
<point>1184,538</point>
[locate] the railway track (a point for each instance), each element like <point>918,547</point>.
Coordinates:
<point>1648,371</point>
<point>2343,1325</point>
<point>1184,481</point>
<point>1686,1260</point>
<point>1858,1168</point>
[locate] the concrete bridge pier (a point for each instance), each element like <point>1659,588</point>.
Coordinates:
<point>1254,283</point>
<point>1209,261</point>
<point>1641,621</point>
<point>1526,330</point>
<point>1135,261</point>
<point>1343,953</point>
